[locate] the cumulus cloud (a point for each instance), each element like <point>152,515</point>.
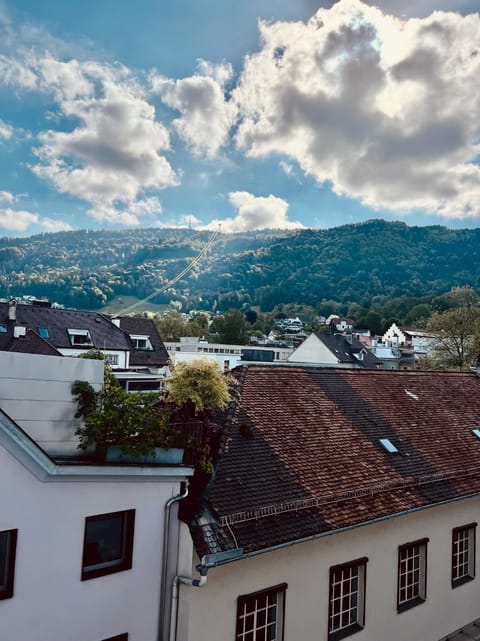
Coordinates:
<point>384,109</point>
<point>16,220</point>
<point>255,212</point>
<point>7,196</point>
<point>6,130</point>
<point>206,114</point>
<point>54,225</point>
<point>115,152</point>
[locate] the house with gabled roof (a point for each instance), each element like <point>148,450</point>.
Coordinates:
<point>132,346</point>
<point>343,503</point>
<point>334,350</point>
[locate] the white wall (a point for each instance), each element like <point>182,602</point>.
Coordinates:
<point>305,567</point>
<point>35,391</point>
<point>312,350</point>
<point>50,602</point>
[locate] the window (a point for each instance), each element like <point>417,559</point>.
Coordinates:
<point>260,615</point>
<point>43,332</point>
<point>8,545</point>
<point>142,342</point>
<point>347,599</point>
<point>3,329</point>
<point>108,544</point>
<point>80,337</point>
<point>112,359</point>
<point>412,574</point>
<point>463,554</point>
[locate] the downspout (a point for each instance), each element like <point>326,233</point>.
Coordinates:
<point>166,540</point>
<point>186,580</point>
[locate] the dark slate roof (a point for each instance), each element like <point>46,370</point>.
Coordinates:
<point>104,334</point>
<point>345,350</point>
<point>301,454</point>
<point>32,343</point>
<point>145,327</point>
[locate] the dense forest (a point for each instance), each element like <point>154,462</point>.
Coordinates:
<point>356,266</point>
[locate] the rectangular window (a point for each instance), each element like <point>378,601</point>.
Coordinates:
<point>347,599</point>
<point>142,342</point>
<point>463,554</point>
<point>108,544</point>
<point>8,545</point>
<point>412,574</point>
<point>260,615</point>
<point>3,329</point>
<point>80,337</point>
<point>111,358</point>
<point>43,332</point>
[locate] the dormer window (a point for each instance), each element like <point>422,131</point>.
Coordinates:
<point>141,342</point>
<point>80,337</point>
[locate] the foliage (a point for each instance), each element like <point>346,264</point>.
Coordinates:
<point>456,332</point>
<point>200,382</point>
<point>369,264</point>
<point>230,327</point>
<point>113,416</point>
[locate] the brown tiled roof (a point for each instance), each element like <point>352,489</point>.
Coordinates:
<point>145,327</point>
<point>302,455</point>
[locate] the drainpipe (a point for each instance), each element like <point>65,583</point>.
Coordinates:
<point>186,580</point>
<point>166,540</point>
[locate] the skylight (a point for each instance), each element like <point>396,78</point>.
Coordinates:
<point>43,332</point>
<point>388,445</point>
<point>477,433</point>
<point>3,329</point>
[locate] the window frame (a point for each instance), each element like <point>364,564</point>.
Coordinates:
<point>76,333</point>
<point>96,570</point>
<point>6,588</point>
<point>359,624</point>
<point>470,529</point>
<point>421,595</point>
<point>280,592</point>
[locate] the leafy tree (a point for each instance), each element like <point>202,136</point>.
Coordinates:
<point>170,326</point>
<point>230,327</point>
<point>456,335</point>
<point>251,316</point>
<point>200,383</point>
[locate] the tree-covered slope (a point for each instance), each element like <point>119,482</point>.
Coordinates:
<point>352,263</point>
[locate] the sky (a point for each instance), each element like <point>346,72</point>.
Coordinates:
<point>248,115</point>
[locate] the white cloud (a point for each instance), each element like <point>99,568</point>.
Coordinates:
<point>7,196</point>
<point>385,110</point>
<point>255,212</point>
<point>16,220</point>
<point>206,114</point>
<point>6,130</point>
<point>52,225</point>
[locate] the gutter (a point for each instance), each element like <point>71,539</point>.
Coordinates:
<point>166,541</point>
<point>322,535</point>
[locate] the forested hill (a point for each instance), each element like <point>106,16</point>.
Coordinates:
<point>352,263</point>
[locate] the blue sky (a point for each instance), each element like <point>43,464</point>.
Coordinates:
<point>253,114</point>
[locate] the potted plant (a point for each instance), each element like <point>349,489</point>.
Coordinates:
<point>124,426</point>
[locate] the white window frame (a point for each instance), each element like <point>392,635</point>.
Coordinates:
<point>463,554</point>
<point>347,588</point>
<point>412,574</point>
<point>84,333</point>
<point>261,615</point>
<point>111,359</point>
<point>138,338</point>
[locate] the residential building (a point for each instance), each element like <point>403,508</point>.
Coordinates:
<point>132,346</point>
<point>345,503</point>
<point>412,344</point>
<point>88,550</point>
<point>334,350</point>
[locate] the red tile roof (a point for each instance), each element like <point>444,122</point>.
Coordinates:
<point>302,453</point>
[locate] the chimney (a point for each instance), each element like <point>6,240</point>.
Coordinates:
<point>12,310</point>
